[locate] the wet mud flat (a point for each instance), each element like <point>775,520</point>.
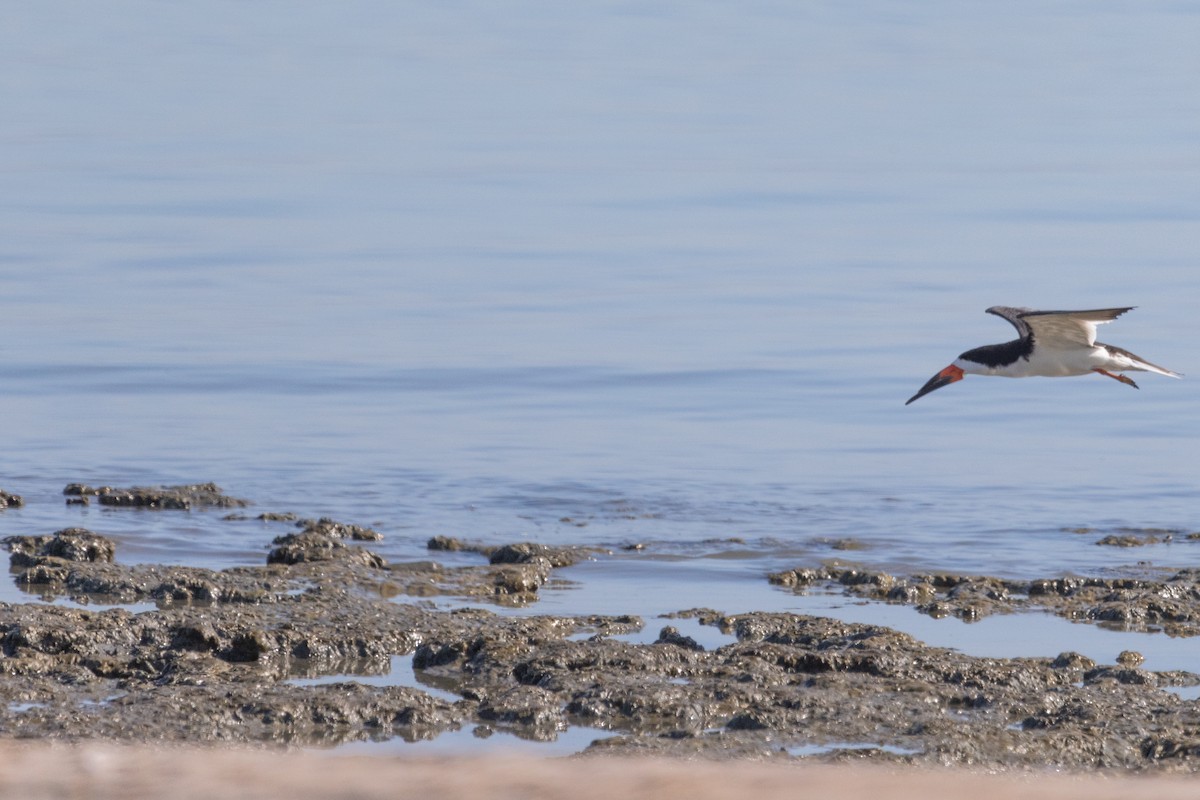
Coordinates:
<point>193,656</point>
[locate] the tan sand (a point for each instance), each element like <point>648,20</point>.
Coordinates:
<point>34,771</point>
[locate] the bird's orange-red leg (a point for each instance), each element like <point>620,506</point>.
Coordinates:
<point>1121,378</point>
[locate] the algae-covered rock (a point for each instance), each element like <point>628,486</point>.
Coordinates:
<point>68,544</point>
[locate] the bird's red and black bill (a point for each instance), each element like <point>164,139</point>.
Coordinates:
<point>944,378</point>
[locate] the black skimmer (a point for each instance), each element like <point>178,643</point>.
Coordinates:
<point>1053,344</point>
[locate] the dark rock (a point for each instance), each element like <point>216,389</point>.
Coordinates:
<point>447,543</point>
<point>69,544</point>
<point>1130,658</point>
<point>671,635</point>
<point>1072,661</point>
<point>528,552</point>
<point>300,548</point>
<point>1128,541</point>
<point>198,495</point>
<point>339,530</point>
<point>521,581</point>
<point>536,710</point>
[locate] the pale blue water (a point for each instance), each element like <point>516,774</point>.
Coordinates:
<point>672,271</point>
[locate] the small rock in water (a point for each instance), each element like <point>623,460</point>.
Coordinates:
<point>171,497</point>
<point>69,544</point>
<point>1130,658</point>
<point>182,497</point>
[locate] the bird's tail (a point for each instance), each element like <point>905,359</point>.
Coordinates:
<point>1148,367</point>
<point>1139,363</point>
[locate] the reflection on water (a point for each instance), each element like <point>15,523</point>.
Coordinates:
<point>397,671</point>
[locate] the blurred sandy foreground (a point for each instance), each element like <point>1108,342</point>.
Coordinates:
<point>33,770</point>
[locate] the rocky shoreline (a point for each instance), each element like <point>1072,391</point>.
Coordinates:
<point>214,655</point>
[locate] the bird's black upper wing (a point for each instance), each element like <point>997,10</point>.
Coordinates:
<point>1014,316</point>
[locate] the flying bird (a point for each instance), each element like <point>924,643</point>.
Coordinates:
<point>1053,344</point>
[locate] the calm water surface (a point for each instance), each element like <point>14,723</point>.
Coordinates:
<point>668,274</point>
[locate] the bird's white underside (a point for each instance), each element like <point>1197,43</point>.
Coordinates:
<point>1061,362</point>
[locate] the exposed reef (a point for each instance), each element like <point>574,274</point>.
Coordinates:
<point>191,655</point>
<point>1170,603</point>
